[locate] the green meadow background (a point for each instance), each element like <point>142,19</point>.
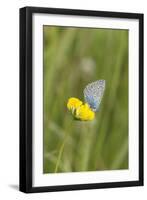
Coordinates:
<point>74,57</point>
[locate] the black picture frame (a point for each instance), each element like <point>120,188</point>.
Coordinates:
<point>26,99</point>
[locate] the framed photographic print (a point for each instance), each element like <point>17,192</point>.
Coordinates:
<point>81,99</point>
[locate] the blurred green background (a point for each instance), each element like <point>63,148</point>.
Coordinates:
<point>74,57</point>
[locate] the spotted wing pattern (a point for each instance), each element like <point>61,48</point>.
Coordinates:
<point>93,94</point>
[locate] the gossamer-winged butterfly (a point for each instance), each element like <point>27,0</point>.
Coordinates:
<point>93,94</point>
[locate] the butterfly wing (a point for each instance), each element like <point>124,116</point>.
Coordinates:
<point>93,94</point>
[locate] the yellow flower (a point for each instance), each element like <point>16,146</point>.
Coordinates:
<point>84,113</point>
<point>73,104</point>
<point>79,110</point>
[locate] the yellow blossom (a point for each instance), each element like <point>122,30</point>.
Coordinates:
<point>73,103</point>
<point>84,113</point>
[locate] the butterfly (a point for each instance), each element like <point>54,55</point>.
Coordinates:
<point>93,94</point>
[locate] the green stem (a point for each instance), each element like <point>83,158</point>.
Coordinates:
<point>60,152</point>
